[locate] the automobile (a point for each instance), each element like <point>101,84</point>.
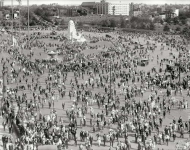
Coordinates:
<point>108,36</point>
<point>169,68</point>
<point>143,62</point>
<point>53,33</point>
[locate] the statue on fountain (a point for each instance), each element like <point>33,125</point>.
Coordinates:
<point>73,35</point>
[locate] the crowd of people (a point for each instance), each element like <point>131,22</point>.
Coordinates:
<point>115,97</point>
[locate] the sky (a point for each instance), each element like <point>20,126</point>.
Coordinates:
<point>78,2</point>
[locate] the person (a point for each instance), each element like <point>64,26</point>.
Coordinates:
<point>99,141</point>
<point>104,139</point>
<point>3,140</point>
<point>83,92</point>
<point>4,124</point>
<point>174,136</point>
<point>167,139</point>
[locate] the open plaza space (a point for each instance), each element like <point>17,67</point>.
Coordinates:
<point>116,90</point>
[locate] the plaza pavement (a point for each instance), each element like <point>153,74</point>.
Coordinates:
<point>61,113</point>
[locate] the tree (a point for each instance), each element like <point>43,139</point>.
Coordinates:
<point>93,23</point>
<point>80,24</point>
<point>157,20</point>
<point>184,21</point>
<point>166,28</point>
<point>168,20</point>
<point>185,30</point>
<point>134,19</point>
<point>178,29</point>
<point>143,26</point>
<point>62,22</point>
<point>175,20</point>
<point>133,25</point>
<point>183,17</point>
<point>105,23</point>
<point>152,26</point>
<point>113,23</point>
<point>56,22</point>
<point>161,21</point>
<point>24,18</point>
<point>122,23</point>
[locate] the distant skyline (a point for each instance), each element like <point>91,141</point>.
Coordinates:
<point>78,2</point>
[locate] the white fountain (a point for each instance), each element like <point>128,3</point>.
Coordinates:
<point>72,33</point>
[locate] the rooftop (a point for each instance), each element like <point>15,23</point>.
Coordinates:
<point>88,4</point>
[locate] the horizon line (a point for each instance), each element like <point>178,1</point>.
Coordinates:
<point>81,3</point>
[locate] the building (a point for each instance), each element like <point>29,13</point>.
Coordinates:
<point>15,16</point>
<point>106,8</point>
<point>176,12</point>
<point>90,7</point>
<point>134,10</point>
<point>62,12</point>
<point>162,16</point>
<point>7,16</point>
<point>131,9</point>
<point>1,3</point>
<point>102,7</point>
<point>136,7</point>
<point>118,9</point>
<point>137,13</point>
<point>71,12</point>
<point>169,14</point>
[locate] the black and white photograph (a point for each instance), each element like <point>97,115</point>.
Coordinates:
<point>94,75</point>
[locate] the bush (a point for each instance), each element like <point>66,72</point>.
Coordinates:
<point>178,29</point>
<point>105,23</point>
<point>141,23</point>
<point>113,23</point>
<point>62,22</point>
<point>152,26</point>
<point>80,24</point>
<point>166,28</point>
<point>122,23</point>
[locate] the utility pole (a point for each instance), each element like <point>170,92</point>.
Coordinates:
<point>19,2</point>
<point>19,22</point>
<point>28,22</point>
<point>179,68</point>
<point>12,16</point>
<point>179,72</point>
<point>110,82</point>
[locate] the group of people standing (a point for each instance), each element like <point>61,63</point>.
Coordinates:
<point>108,97</point>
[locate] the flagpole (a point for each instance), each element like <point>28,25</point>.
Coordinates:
<point>28,21</point>
<point>19,22</point>
<point>12,15</point>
